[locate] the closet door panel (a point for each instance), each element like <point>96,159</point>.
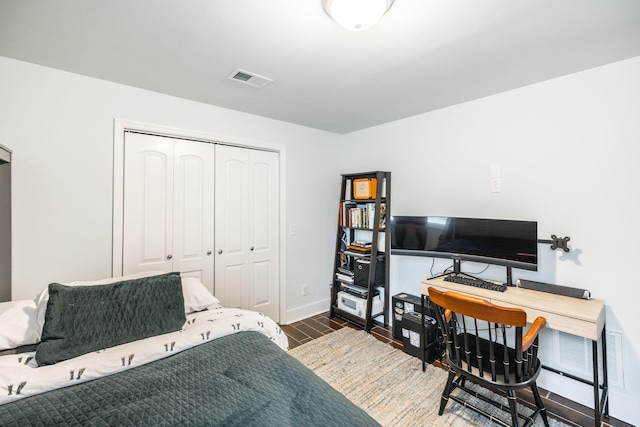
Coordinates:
<point>260,199</point>
<point>231,227</point>
<point>235,208</point>
<point>148,195</point>
<point>193,207</point>
<point>264,225</point>
<point>262,295</point>
<point>235,295</point>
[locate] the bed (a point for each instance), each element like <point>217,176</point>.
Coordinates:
<point>154,350</point>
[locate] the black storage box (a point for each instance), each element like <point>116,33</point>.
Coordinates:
<point>361,272</point>
<point>403,303</point>
<point>412,330</point>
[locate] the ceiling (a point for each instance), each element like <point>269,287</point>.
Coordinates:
<point>422,56</point>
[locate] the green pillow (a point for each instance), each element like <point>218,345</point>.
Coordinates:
<point>82,319</point>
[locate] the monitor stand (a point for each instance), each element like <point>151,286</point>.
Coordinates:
<point>509,281</point>
<point>456,266</point>
<point>456,271</point>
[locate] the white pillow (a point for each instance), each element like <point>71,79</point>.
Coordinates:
<point>19,324</point>
<point>196,296</point>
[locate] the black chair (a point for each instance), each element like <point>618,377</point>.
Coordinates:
<point>487,345</point>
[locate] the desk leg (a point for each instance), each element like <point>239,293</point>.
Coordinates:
<point>601,403</point>
<point>423,332</point>
<point>596,385</point>
<point>605,374</point>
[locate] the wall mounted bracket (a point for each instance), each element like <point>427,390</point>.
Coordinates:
<point>560,243</point>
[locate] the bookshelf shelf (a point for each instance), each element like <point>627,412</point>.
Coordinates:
<point>359,288</point>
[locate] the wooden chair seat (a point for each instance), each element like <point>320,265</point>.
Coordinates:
<point>487,345</point>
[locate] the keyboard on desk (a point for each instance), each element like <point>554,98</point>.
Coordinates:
<point>474,281</point>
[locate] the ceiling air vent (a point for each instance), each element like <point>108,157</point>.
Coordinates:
<point>248,78</point>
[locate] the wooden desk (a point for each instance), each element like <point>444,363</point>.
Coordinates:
<point>580,317</point>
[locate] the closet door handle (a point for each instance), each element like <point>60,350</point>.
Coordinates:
<point>169,256</point>
<point>252,248</point>
<point>220,252</point>
<point>208,252</point>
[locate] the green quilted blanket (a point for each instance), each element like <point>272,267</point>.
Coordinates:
<point>242,379</point>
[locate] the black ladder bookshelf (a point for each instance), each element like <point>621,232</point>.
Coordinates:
<point>361,266</point>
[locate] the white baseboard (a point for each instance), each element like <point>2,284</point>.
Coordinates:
<point>624,407</point>
<point>306,311</point>
<point>621,405</point>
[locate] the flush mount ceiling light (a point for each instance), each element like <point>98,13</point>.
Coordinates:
<point>356,15</point>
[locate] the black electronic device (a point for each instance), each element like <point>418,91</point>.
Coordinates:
<point>415,333</point>
<point>554,289</point>
<point>359,291</point>
<point>509,243</point>
<point>474,281</point>
<point>403,303</point>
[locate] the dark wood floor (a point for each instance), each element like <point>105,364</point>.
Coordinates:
<point>558,407</point>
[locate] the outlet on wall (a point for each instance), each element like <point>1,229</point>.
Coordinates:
<point>305,289</point>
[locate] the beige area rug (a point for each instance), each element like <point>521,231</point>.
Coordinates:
<point>387,383</point>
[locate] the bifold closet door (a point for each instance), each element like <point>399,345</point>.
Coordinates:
<point>246,230</point>
<point>168,219</point>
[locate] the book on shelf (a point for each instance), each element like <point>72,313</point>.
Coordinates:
<point>359,249</point>
<point>361,244</point>
<point>345,213</point>
<point>356,215</point>
<point>357,218</point>
<point>371,212</point>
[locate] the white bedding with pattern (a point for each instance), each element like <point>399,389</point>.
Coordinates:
<point>21,377</point>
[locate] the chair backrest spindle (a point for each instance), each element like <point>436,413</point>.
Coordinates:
<point>492,352</point>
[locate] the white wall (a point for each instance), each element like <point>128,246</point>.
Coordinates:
<point>569,155</point>
<point>568,150</point>
<point>60,128</point>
